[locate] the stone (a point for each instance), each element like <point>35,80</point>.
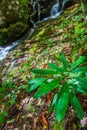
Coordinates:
<point>13,20</point>
<point>12,11</point>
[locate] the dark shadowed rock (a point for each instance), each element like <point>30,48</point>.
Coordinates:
<point>13,20</point>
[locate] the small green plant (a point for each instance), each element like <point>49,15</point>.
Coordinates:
<point>68,80</point>
<point>8,95</point>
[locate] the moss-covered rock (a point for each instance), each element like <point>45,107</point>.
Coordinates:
<point>13,10</point>
<point>12,33</point>
<point>13,20</point>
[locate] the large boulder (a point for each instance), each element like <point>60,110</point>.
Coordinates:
<point>13,20</point>
<point>12,11</point>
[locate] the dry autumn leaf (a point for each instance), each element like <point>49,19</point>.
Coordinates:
<point>44,121</point>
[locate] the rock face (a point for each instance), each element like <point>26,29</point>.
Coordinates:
<point>12,11</point>
<point>8,12</point>
<point>13,20</point>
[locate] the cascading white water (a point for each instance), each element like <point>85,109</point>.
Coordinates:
<point>56,10</point>
<point>5,51</point>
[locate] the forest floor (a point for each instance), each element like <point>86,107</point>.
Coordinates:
<point>66,34</point>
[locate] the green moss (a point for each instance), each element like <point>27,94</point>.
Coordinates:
<point>32,50</point>
<point>58,126</point>
<point>43,33</point>
<point>13,32</point>
<point>81,28</point>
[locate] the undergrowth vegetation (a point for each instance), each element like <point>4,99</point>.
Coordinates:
<point>70,79</point>
<point>63,76</point>
<point>66,79</point>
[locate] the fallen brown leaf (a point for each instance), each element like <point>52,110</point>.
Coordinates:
<point>44,121</point>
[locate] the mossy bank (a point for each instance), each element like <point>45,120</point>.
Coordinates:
<point>65,34</point>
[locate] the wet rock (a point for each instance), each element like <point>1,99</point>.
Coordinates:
<point>12,33</point>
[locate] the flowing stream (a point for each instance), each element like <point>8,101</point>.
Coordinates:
<point>6,50</point>
<point>55,12</point>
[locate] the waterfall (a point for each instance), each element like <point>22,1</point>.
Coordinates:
<point>6,50</point>
<point>57,8</point>
<point>54,11</point>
